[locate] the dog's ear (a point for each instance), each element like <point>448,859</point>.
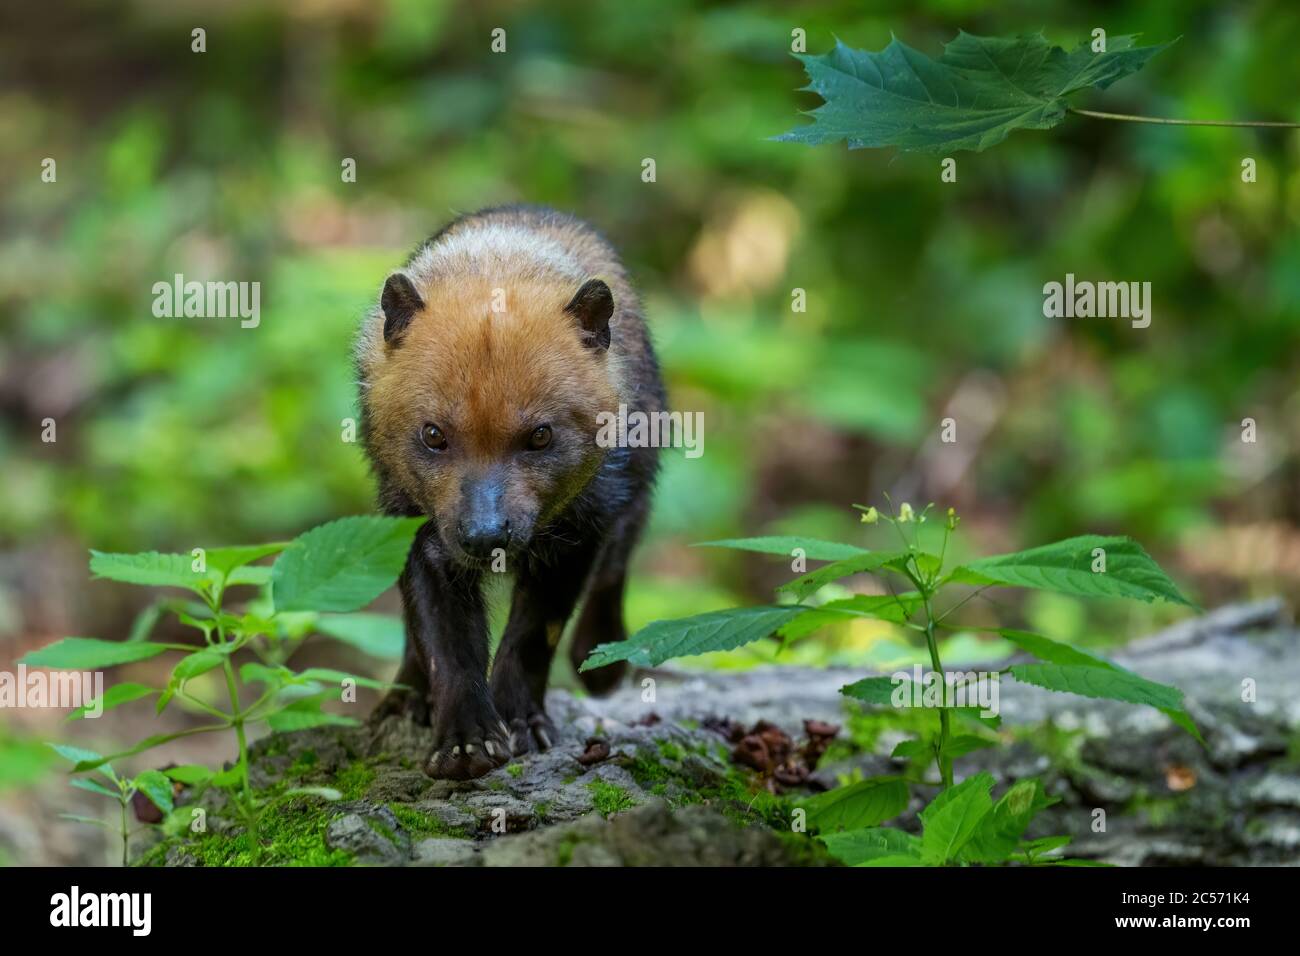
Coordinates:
<point>400,302</point>
<point>592,305</point>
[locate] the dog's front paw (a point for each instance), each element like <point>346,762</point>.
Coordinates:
<point>468,744</point>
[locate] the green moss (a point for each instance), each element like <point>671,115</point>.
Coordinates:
<point>290,834</point>
<point>670,751</point>
<point>354,780</point>
<point>420,824</point>
<point>304,764</point>
<point>647,771</point>
<point>383,829</point>
<point>736,796</point>
<point>542,810</point>
<point>610,798</point>
<point>515,770</point>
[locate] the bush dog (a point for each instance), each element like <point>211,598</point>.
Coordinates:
<point>482,371</point>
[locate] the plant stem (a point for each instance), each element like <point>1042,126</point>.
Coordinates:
<point>944,761</point>
<point>125,835</point>
<point>236,715</point>
<point>1130,118</point>
<point>237,721</point>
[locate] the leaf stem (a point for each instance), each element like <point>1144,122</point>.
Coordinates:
<point>1161,121</point>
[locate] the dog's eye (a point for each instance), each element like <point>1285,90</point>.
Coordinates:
<point>540,438</point>
<point>433,438</point>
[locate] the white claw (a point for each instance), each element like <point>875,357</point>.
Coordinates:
<point>455,751</point>
<point>543,739</point>
<point>469,748</point>
<point>490,748</point>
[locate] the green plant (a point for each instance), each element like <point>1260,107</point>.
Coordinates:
<point>979,90</point>
<point>154,784</point>
<point>963,824</point>
<point>315,581</point>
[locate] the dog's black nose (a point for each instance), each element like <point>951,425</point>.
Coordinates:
<point>481,537</point>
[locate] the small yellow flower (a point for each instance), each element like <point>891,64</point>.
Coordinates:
<point>905,512</point>
<point>870,516</point>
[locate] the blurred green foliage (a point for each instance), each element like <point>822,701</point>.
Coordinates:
<point>922,297</point>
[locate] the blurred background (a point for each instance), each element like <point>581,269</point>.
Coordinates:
<point>923,299</point>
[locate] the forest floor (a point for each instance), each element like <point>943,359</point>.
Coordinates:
<point>670,780</point>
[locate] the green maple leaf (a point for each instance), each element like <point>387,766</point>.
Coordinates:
<point>977,92</point>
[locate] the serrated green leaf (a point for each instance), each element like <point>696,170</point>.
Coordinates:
<point>856,805</point>
<point>908,749</point>
<point>330,676</point>
<point>1000,832</point>
<point>200,662</point>
<point>878,846</point>
<point>157,740</point>
<point>253,575</point>
<point>225,560</point>
<point>254,672</point>
<point>94,786</point>
<point>1044,845</point>
<point>814,549</point>
<point>1099,682</point>
<point>877,607</point>
<point>972,97</point>
<point>155,785</point>
<point>1066,568</point>
<point>189,774</point>
<point>814,581</point>
<point>953,817</point>
<point>229,777</point>
<point>90,653</point>
<point>75,754</point>
<point>342,565</point>
<point>871,690</point>
<point>379,635</point>
<point>149,568</point>
<point>687,636</point>
<point>115,696</point>
<point>1054,652</point>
